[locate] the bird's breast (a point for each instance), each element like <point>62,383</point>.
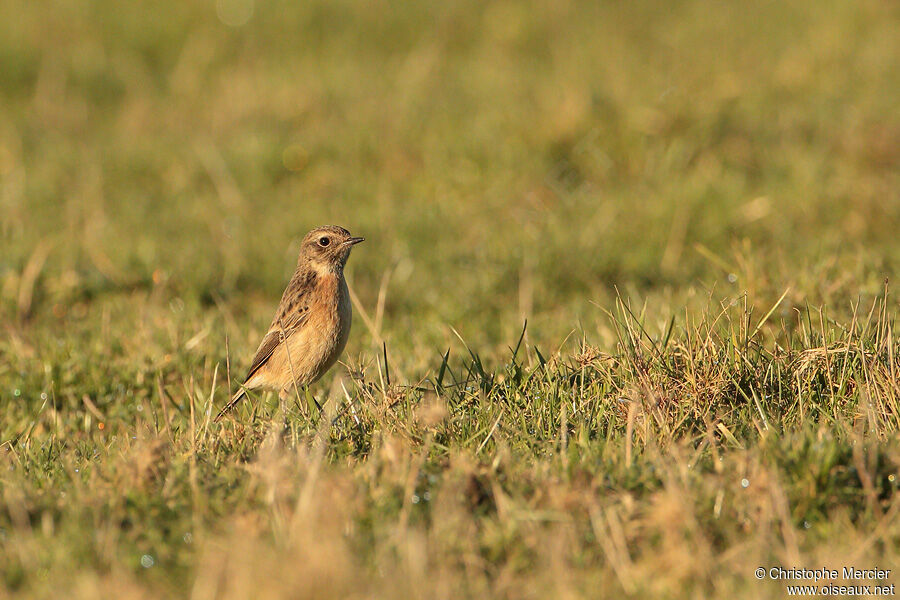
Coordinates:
<point>330,325</point>
<point>344,318</point>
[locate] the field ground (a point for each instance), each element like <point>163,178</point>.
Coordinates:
<point>694,206</point>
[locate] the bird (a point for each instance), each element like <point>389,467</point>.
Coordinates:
<point>312,323</point>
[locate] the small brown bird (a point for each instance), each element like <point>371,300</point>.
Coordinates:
<point>312,323</point>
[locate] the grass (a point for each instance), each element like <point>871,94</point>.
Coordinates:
<point>694,208</point>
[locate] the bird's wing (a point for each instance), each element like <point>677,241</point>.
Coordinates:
<point>280,330</point>
<point>292,315</point>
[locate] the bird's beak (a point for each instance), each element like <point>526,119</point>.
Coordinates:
<point>354,240</point>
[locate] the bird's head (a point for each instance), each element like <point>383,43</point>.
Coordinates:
<point>327,248</point>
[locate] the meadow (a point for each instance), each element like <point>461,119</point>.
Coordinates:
<point>623,320</point>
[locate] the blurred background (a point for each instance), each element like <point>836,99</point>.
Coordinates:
<point>504,159</point>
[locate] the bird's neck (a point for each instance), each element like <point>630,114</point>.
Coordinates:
<point>322,269</point>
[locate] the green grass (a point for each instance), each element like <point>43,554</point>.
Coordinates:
<point>693,205</point>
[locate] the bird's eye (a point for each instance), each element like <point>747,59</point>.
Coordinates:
<point>324,241</point>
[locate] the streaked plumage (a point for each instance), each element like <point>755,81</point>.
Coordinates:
<point>312,323</point>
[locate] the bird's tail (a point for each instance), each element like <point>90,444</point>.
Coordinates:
<point>234,400</point>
